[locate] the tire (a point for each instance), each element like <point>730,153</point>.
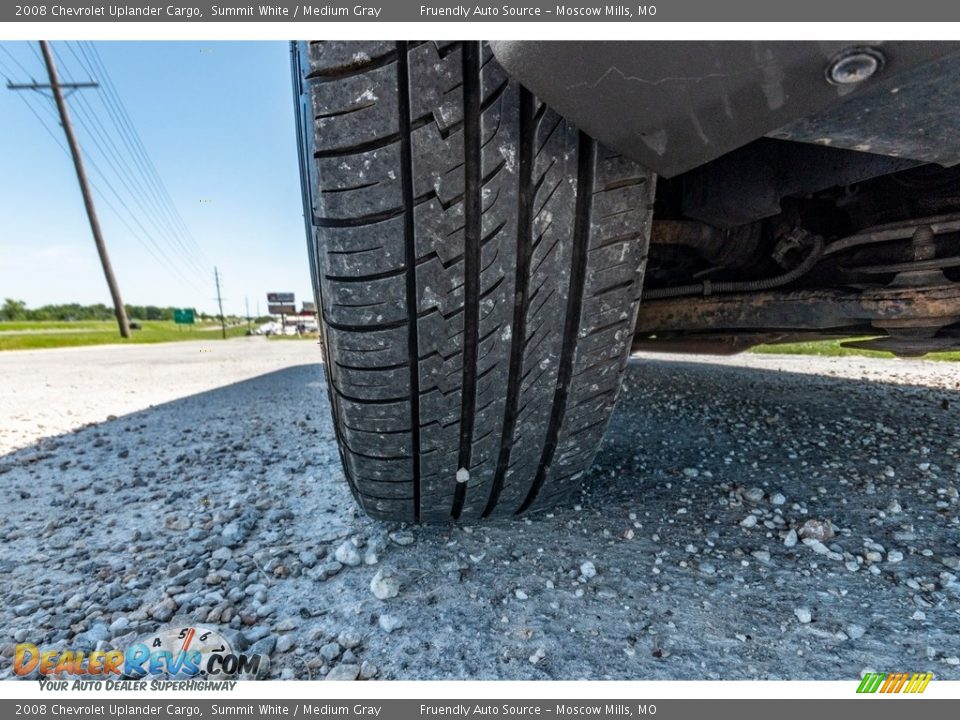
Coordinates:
<point>479,265</point>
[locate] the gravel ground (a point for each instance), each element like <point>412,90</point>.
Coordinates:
<point>750,517</point>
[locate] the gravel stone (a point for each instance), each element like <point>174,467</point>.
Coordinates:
<point>163,610</point>
<point>754,495</point>
<point>285,643</point>
<point>390,623</point>
<point>331,651</point>
<point>385,584</point>
<point>855,632</point>
<point>349,640</point>
<point>402,537</point>
<point>347,554</point>
<point>326,570</point>
<point>343,672</point>
<point>263,646</point>
<point>816,530</point>
<point>588,570</point>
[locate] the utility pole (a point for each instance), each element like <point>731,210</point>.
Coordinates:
<point>246,302</point>
<point>223,322</point>
<point>57,87</point>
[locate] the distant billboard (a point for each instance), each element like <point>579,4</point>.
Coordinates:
<point>280,297</point>
<point>282,309</point>
<point>309,307</point>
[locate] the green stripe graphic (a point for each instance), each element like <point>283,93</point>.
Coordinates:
<point>871,682</point>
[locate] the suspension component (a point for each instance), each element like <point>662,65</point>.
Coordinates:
<point>938,224</point>
<point>707,287</point>
<point>917,320</point>
<point>924,270</point>
<point>734,248</point>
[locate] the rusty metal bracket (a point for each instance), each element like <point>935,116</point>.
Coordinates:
<point>896,311</point>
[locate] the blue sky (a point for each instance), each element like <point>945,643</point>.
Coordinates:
<point>216,119</point>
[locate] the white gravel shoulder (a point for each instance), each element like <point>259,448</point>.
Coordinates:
<point>49,392</point>
<point>749,517</point>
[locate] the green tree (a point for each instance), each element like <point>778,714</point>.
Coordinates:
<point>13,309</point>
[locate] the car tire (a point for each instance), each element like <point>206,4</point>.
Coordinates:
<point>479,265</point>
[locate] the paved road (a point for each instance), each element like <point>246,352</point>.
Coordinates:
<point>48,392</point>
<point>752,517</point>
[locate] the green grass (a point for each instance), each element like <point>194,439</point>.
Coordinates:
<point>832,348</point>
<point>39,335</point>
<point>31,325</point>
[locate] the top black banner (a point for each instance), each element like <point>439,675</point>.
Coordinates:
<point>522,11</point>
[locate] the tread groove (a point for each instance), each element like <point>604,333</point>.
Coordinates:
<point>522,291</point>
<point>581,236</point>
<point>347,327</point>
<point>363,186</point>
<point>366,278</point>
<point>410,248</point>
<point>344,111</point>
<point>345,71</point>
<point>472,213</point>
<point>357,148</point>
<point>396,366</point>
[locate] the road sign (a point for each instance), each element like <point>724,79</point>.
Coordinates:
<point>282,309</point>
<point>183,317</point>
<point>280,297</point>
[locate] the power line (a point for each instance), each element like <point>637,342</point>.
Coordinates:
<point>101,195</point>
<point>135,144</point>
<point>133,170</point>
<point>43,123</point>
<point>134,188</point>
<point>145,193</point>
<point>138,189</point>
<point>17,62</point>
<point>89,121</point>
<point>125,176</point>
<point>5,71</point>
<point>161,257</point>
<point>36,54</point>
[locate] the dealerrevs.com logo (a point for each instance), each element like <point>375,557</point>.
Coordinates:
<point>177,653</point>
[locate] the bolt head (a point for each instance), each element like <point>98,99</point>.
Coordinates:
<point>854,66</point>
